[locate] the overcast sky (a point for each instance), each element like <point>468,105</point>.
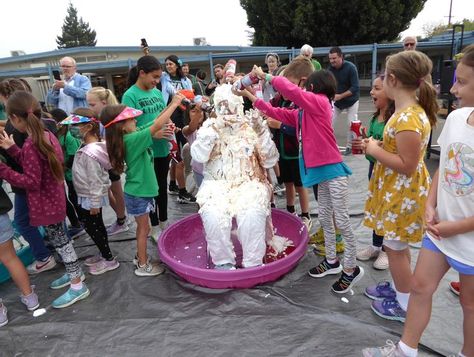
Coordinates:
<point>32,25</point>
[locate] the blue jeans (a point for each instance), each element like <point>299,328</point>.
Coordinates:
<point>31,234</point>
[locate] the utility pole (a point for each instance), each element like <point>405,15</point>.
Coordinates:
<point>450,11</point>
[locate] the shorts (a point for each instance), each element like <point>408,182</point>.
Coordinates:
<point>461,268</point>
<point>138,206</point>
<point>290,171</point>
<point>113,176</point>
<point>6,228</point>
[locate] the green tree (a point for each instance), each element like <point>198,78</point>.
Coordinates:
<point>431,30</point>
<point>328,22</point>
<point>75,32</point>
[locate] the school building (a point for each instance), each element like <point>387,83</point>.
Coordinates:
<point>108,66</point>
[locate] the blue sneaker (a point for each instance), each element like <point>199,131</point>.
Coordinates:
<point>381,291</point>
<point>63,281</point>
<point>70,297</point>
<point>389,309</point>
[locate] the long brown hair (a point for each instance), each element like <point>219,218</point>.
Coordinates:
<point>413,70</point>
<point>27,108</point>
<point>114,136</point>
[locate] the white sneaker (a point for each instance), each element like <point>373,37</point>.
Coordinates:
<point>39,266</point>
<point>308,222</point>
<point>155,233</point>
<point>367,253</point>
<point>149,269</point>
<point>381,263</point>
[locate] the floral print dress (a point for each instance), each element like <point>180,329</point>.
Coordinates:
<point>395,206</point>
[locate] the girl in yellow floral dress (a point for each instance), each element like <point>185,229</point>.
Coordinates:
<point>399,186</point>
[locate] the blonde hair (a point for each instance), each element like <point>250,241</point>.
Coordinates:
<point>300,67</point>
<point>104,94</point>
<point>413,70</point>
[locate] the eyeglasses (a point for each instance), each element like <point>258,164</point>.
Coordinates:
<point>409,44</point>
<point>66,66</point>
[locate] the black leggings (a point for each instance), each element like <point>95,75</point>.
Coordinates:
<point>94,226</point>
<point>162,166</point>
<point>377,241</point>
<point>72,206</point>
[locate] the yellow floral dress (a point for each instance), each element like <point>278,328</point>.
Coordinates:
<point>395,205</point>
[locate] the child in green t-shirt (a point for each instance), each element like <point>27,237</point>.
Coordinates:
<point>384,110</point>
<point>127,145</point>
<point>70,145</point>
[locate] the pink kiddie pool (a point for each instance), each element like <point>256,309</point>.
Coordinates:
<point>182,247</point>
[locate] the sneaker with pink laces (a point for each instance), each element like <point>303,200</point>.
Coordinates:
<point>104,266</point>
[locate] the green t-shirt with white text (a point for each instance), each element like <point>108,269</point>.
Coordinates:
<point>151,102</point>
<point>140,180</point>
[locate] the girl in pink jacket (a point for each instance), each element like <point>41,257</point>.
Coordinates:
<point>320,163</point>
<point>42,178</point>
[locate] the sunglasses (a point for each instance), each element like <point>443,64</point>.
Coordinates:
<point>410,44</point>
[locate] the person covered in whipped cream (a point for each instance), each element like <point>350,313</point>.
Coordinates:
<point>236,149</point>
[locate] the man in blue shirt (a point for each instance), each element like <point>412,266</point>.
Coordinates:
<point>70,92</point>
<point>347,94</point>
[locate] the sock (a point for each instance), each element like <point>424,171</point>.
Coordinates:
<point>77,286</point>
<point>402,299</point>
<point>407,350</point>
<point>378,249</point>
<point>331,261</point>
<point>290,209</point>
<point>121,221</point>
<point>172,183</point>
<point>182,191</point>
<point>279,180</point>
<point>305,214</point>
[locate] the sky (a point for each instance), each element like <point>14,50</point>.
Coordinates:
<point>32,25</point>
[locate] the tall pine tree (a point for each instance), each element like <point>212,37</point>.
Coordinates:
<point>75,32</point>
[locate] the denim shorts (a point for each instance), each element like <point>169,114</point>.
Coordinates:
<point>461,268</point>
<point>6,228</point>
<point>138,206</point>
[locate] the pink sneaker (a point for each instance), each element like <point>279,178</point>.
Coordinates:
<point>91,261</point>
<point>104,266</point>
<point>116,228</point>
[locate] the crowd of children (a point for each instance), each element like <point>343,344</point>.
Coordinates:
<point>95,145</point>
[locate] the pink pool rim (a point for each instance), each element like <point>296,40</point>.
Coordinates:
<point>182,247</point>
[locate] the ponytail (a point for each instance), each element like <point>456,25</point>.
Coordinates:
<point>114,137</point>
<point>427,99</point>
<point>132,76</point>
<point>34,125</point>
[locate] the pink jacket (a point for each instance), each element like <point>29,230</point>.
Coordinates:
<point>45,195</point>
<point>319,142</point>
